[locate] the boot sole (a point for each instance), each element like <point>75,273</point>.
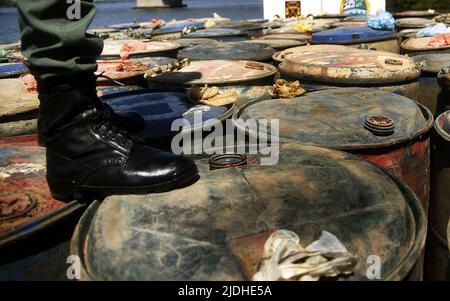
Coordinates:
<point>69,191</point>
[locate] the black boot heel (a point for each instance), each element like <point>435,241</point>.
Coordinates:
<point>64,190</point>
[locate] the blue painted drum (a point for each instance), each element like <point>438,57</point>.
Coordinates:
<point>12,70</point>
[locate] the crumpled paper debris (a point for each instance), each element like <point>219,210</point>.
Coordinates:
<point>161,69</point>
<point>211,96</point>
<point>284,89</point>
<point>285,258</point>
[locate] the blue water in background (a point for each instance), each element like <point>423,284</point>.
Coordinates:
<point>123,12</point>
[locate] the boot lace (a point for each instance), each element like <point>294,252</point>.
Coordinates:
<point>106,130</point>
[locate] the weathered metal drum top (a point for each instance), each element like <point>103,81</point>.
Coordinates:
<point>101,31</point>
<point>118,71</point>
<point>9,70</point>
<point>278,44</point>
<point>350,24</point>
<point>228,51</point>
<point>297,37</point>
<point>415,13</point>
<point>281,55</point>
<point>437,257</point>
<point>221,34</point>
<point>383,40</point>
<point>102,91</point>
<point>113,48</point>
<point>430,63</point>
<point>26,205</point>
<point>160,108</point>
<point>189,42</point>
<point>341,119</point>
<point>291,29</point>
<point>216,228</point>
<point>178,26</point>
<point>350,67</point>
<point>414,23</point>
<point>217,72</point>
<point>408,33</point>
<point>124,26</point>
<point>444,78</point>
<point>421,44</point>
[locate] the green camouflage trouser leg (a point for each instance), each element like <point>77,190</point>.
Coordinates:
<point>55,45</point>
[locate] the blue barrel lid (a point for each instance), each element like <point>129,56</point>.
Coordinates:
<point>160,108</point>
<point>124,26</point>
<point>12,69</point>
<point>215,32</point>
<point>351,35</point>
<point>178,26</point>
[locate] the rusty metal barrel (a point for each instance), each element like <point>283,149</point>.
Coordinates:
<point>278,44</point>
<point>353,68</point>
<point>216,228</point>
<point>302,37</point>
<point>408,23</point>
<point>437,262</point>
<point>220,34</point>
<point>281,55</point>
<point>431,63</point>
<point>228,51</point>
<point>385,128</point>
<point>138,48</point>
<point>413,45</point>
<point>216,73</point>
<point>443,103</point>
<point>426,14</point>
<point>189,42</point>
<point>354,36</point>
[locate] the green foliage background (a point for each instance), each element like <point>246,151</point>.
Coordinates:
<point>421,4</point>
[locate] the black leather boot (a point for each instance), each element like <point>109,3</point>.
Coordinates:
<point>89,157</point>
<point>130,121</point>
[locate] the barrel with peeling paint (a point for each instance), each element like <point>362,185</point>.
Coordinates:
<point>11,70</point>
<point>178,26</point>
<point>302,37</point>
<point>189,42</point>
<point>216,73</point>
<point>281,55</point>
<point>414,44</point>
<point>416,14</point>
<point>407,23</point>
<point>385,128</point>
<point>216,228</point>
<point>228,51</point>
<point>353,68</point>
<point>138,48</point>
<point>220,34</point>
<point>26,204</point>
<point>430,63</point>
<point>383,40</point>
<point>437,264</point>
<point>443,102</point>
<point>278,44</point>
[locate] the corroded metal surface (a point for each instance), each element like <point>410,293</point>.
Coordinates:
<point>112,48</point>
<point>352,35</point>
<point>278,44</point>
<point>279,56</point>
<point>12,70</point>
<point>335,119</point>
<point>221,34</point>
<point>438,261</point>
<point>444,79</point>
<point>218,72</point>
<point>414,23</point>
<point>188,42</point>
<point>228,51</point>
<point>415,13</point>
<point>350,24</point>
<point>421,44</point>
<point>215,229</point>
<point>14,88</point>
<point>26,205</point>
<point>178,26</point>
<point>286,36</point>
<point>431,62</point>
<point>355,67</point>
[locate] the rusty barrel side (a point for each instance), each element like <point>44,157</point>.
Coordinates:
<point>437,263</point>
<point>216,228</point>
<point>325,69</point>
<point>414,44</point>
<point>443,103</point>
<point>385,128</point>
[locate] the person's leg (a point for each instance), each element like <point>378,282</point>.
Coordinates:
<point>86,153</point>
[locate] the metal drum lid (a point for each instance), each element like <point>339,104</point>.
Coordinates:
<point>124,26</point>
<point>103,91</point>
<point>154,61</point>
<point>354,67</point>
<point>216,228</point>
<point>26,205</point>
<point>415,14</point>
<point>215,33</point>
<point>12,70</point>
<point>160,108</point>
<point>408,33</point>
<point>121,70</point>
<point>291,29</point>
<point>286,36</point>
<point>357,18</point>
<point>442,125</point>
<point>344,118</point>
<point>350,24</point>
<point>280,56</point>
<point>278,44</point>
<point>100,31</point>
<point>189,42</point>
<point>217,72</point>
<point>431,62</point>
<point>15,99</point>
<point>414,23</point>
<point>113,48</point>
<point>178,26</point>
<point>421,44</point>
<point>352,35</point>
<point>228,51</point>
